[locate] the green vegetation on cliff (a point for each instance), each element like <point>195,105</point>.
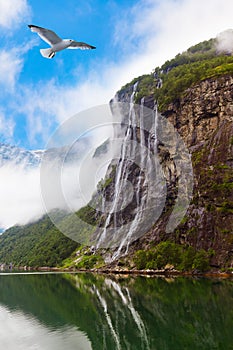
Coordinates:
<point>178,256</point>
<point>41,243</point>
<point>182,77</point>
<point>36,244</point>
<point>168,82</point>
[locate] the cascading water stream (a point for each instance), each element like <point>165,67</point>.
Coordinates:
<point>126,239</point>
<point>137,154</point>
<point>141,200</point>
<point>155,128</point>
<point>120,170</point>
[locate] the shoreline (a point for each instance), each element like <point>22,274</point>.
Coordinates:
<point>109,271</point>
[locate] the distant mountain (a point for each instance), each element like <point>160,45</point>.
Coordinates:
<point>19,156</point>
<point>20,178</point>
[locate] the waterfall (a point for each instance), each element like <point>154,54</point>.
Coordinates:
<point>120,171</point>
<point>126,240</point>
<point>142,182</point>
<point>137,192</point>
<point>159,83</point>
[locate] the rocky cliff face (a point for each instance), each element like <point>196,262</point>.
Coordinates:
<point>203,109</point>
<point>203,117</point>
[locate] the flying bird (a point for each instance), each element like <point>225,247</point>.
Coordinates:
<point>56,43</point>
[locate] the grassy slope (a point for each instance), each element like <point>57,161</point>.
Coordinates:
<point>198,63</point>
<point>36,244</point>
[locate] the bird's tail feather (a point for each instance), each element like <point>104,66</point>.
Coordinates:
<point>47,53</point>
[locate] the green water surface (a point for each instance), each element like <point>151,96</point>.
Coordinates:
<point>85,311</point>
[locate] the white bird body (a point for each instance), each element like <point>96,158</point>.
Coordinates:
<point>64,44</point>
<point>56,43</point>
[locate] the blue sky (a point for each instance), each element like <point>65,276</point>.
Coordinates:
<point>132,38</point>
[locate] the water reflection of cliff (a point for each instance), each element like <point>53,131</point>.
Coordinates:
<point>121,313</point>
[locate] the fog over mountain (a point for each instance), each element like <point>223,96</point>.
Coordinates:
<point>20,188</point>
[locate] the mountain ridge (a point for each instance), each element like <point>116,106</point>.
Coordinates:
<point>19,156</point>
<point>201,108</point>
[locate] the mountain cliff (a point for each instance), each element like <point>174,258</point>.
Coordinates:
<point>203,117</point>
<point>194,93</point>
<point>177,155</point>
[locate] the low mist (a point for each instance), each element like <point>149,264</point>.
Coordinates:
<point>225,41</point>
<point>20,195</point>
<point>66,180</point>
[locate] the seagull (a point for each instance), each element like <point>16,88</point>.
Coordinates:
<point>56,43</point>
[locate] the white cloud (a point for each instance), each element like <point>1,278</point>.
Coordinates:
<point>10,67</point>
<point>225,41</point>
<point>12,62</point>
<point>6,127</point>
<point>165,28</point>
<point>20,195</point>
<point>65,181</point>
<point>13,13</point>
<point>49,103</point>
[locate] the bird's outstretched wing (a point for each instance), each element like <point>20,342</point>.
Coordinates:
<point>80,45</point>
<point>47,35</point>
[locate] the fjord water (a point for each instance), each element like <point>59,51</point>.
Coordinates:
<point>85,311</point>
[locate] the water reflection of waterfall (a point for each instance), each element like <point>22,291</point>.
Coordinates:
<point>108,318</point>
<point>86,311</point>
<point>126,299</point>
